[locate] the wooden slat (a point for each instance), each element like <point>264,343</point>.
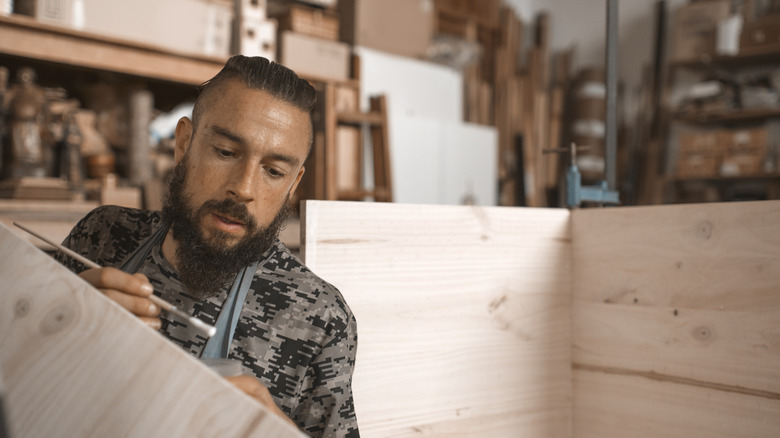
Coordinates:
<point>380,145</point>
<point>617,406</point>
<point>330,155</point>
<point>74,363</point>
<point>358,118</point>
<point>463,315</point>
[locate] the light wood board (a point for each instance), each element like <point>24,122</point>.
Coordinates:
<point>684,294</point>
<point>75,364</point>
<point>612,405</point>
<point>463,315</point>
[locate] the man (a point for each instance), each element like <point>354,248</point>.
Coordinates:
<point>239,161</point>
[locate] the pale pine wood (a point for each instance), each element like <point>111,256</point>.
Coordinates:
<point>75,364</point>
<point>703,256</point>
<point>685,294</point>
<point>609,405</point>
<point>463,315</point>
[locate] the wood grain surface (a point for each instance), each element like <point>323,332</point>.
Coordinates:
<point>676,315</point>
<point>463,315</point>
<point>75,364</point>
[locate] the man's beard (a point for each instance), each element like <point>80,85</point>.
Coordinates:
<point>206,266</point>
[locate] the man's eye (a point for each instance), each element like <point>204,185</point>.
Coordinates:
<point>274,173</point>
<point>225,153</point>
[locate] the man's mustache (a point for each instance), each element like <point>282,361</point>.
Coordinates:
<point>232,209</point>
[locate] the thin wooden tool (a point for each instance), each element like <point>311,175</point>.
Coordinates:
<point>209,330</point>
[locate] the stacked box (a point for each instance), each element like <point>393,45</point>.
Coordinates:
<point>486,11</point>
<point>700,154</point>
<point>744,151</point>
<point>253,33</point>
<point>763,35</point>
<point>316,22</point>
<point>314,57</point>
<point>400,27</point>
<point>695,29</point>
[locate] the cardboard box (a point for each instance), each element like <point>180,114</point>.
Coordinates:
<point>63,12</point>
<point>205,31</point>
<point>311,21</point>
<point>744,151</point>
<point>254,10</point>
<point>401,27</point>
<point>314,57</point>
<point>700,142</point>
<point>763,35</point>
<point>739,141</point>
<point>699,153</point>
<point>255,38</point>
<point>692,165</point>
<point>695,29</point>
<point>487,12</point>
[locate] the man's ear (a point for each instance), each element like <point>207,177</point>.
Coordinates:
<point>295,184</point>
<point>183,138</point>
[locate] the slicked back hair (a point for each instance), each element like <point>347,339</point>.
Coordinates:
<point>259,73</point>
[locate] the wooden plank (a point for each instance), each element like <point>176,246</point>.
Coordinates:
<point>76,364</point>
<point>329,157</point>
<point>358,118</point>
<point>463,314</point>
<point>684,294</point>
<point>348,158</point>
<point>26,37</point>
<point>733,350</point>
<point>703,256</point>
<point>380,146</point>
<point>616,406</point>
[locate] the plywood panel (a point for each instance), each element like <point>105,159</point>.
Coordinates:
<point>685,300</point>
<point>705,256</point>
<point>75,364</point>
<point>609,405</point>
<point>463,315</point>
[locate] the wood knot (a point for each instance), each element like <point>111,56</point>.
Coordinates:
<point>22,308</point>
<point>57,319</point>
<point>702,333</point>
<point>704,229</point>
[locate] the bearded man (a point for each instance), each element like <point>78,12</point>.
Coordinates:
<point>214,252</point>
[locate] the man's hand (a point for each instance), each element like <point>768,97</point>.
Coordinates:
<point>130,291</point>
<point>253,388</point>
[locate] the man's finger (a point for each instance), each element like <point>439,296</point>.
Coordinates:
<point>153,323</point>
<point>114,279</point>
<point>140,306</point>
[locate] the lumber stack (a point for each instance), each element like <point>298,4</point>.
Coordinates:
<point>525,103</point>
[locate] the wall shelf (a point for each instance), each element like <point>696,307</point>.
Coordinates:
<point>728,116</point>
<point>28,38</point>
<point>743,60</point>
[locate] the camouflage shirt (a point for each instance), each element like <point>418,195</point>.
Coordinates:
<point>295,332</point>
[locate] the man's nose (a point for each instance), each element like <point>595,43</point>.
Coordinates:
<point>243,182</point>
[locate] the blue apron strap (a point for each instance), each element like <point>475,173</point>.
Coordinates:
<point>218,346</point>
